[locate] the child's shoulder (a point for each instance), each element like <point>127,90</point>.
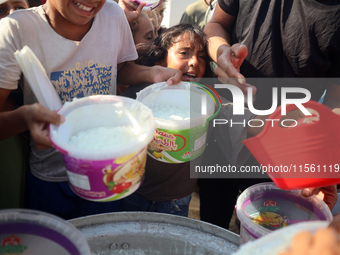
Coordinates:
<point>21,14</point>
<point>23,17</point>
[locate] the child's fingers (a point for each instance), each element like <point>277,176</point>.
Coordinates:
<point>325,240</point>
<point>336,223</point>
<point>140,8</point>
<point>301,243</point>
<point>240,51</point>
<point>175,78</point>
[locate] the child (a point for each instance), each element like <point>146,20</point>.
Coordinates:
<point>159,10</point>
<point>84,46</point>
<point>175,49</point>
<point>154,19</point>
<point>167,187</point>
<point>143,30</point>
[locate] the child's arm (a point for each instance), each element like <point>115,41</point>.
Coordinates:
<point>132,74</point>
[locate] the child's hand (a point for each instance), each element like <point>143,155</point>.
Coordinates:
<point>336,223</point>
<point>328,194</point>
<point>228,66</point>
<point>171,76</point>
<point>37,119</point>
<point>336,110</point>
<point>323,241</point>
<point>130,12</point>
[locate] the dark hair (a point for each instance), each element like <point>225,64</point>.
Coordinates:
<point>150,55</point>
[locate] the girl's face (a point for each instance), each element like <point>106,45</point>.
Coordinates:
<point>10,6</point>
<point>187,57</point>
<point>145,32</point>
<point>159,10</point>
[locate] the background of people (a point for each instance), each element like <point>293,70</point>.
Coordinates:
<point>195,13</point>
<point>250,39</point>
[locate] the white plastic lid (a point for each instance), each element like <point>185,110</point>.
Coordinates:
<point>36,76</point>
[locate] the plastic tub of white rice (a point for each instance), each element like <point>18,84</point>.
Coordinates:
<point>182,113</point>
<point>103,142</point>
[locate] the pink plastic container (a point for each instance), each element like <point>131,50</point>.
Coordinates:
<point>27,232</point>
<point>264,208</point>
<point>306,155</point>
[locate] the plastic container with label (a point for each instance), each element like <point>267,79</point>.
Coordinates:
<point>179,140</point>
<point>31,232</point>
<point>263,208</point>
<point>115,169</point>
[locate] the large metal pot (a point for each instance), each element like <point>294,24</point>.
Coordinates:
<point>154,233</point>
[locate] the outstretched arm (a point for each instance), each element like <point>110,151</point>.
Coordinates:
<point>228,58</point>
<point>133,74</point>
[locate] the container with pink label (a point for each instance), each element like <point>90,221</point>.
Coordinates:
<point>103,142</point>
<point>263,208</point>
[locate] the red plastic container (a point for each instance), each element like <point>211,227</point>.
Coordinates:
<point>306,155</point>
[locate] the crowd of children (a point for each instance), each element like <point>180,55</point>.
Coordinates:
<point>74,30</point>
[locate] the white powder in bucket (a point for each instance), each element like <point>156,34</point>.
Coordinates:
<point>103,138</point>
<point>171,112</point>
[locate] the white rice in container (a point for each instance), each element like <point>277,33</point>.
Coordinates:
<point>103,138</point>
<point>171,112</point>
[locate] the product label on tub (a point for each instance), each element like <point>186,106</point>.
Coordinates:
<point>178,146</point>
<point>106,180</point>
<point>269,217</point>
<point>279,209</point>
<point>34,238</point>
